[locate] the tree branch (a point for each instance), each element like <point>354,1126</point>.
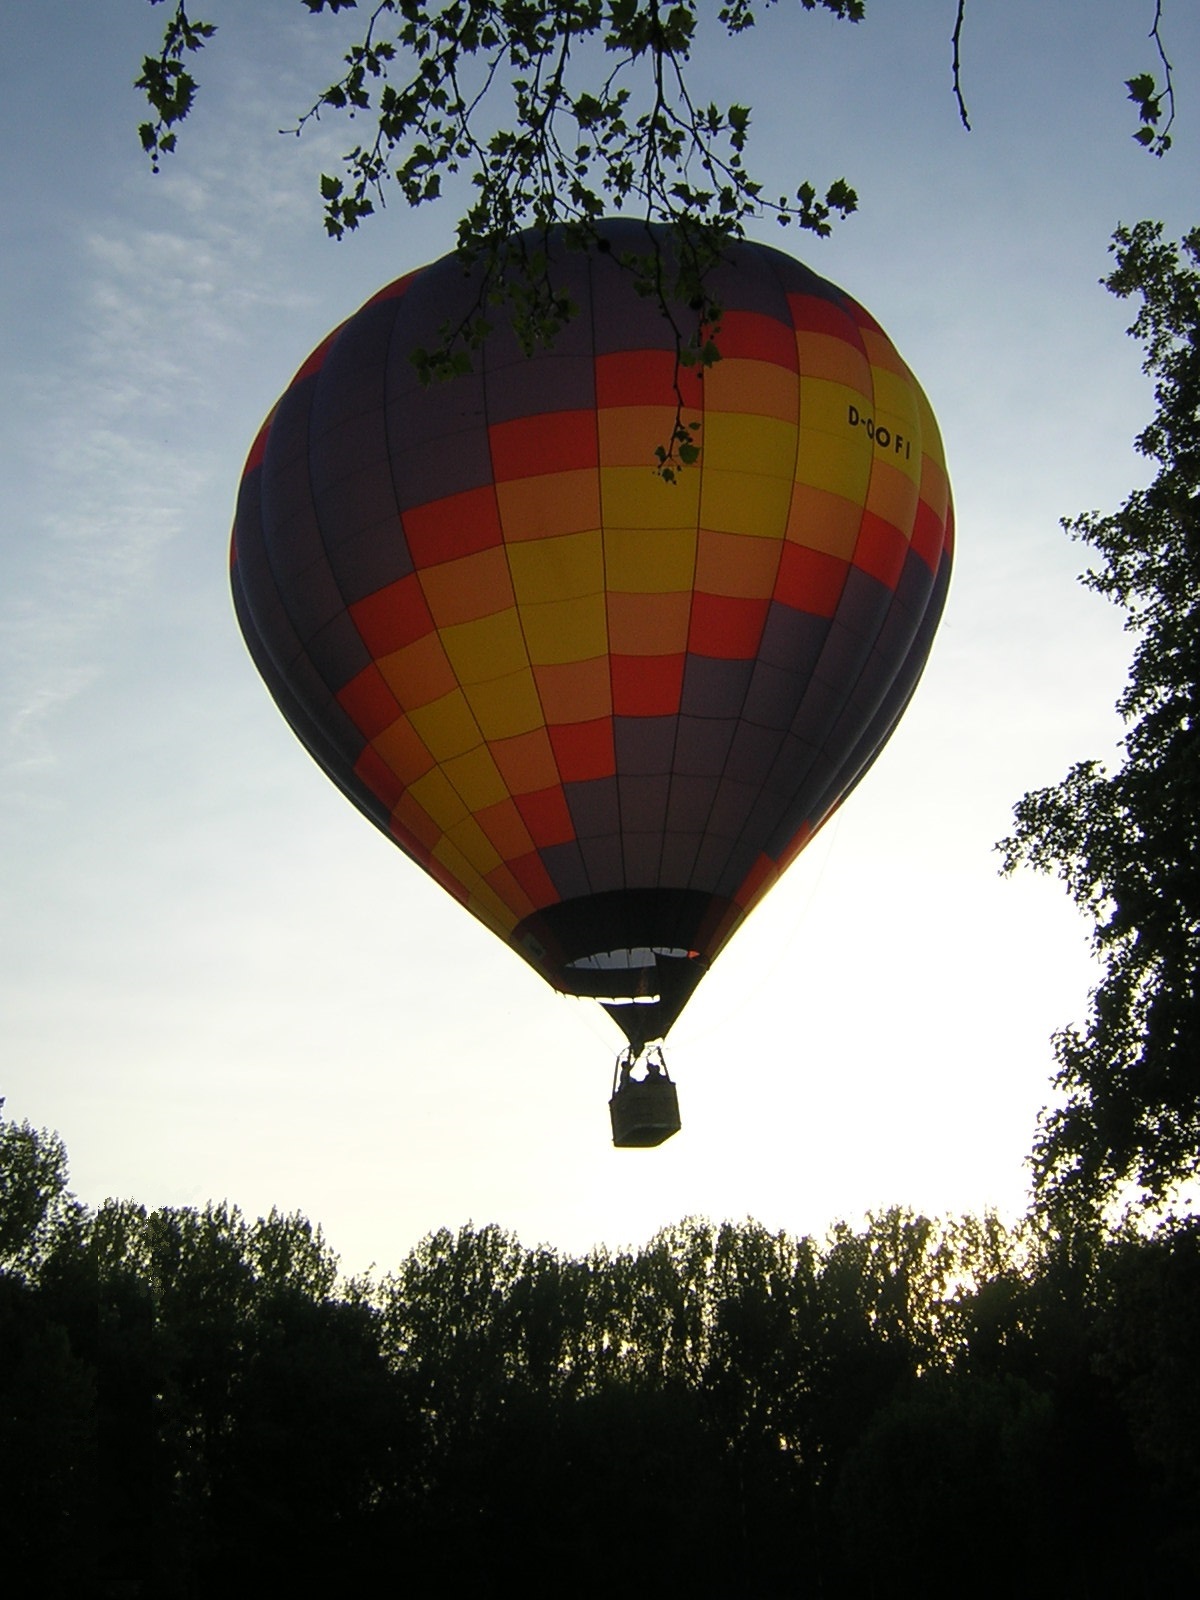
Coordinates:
<point>956,64</point>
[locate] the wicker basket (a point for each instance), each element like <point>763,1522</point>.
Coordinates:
<point>644,1114</point>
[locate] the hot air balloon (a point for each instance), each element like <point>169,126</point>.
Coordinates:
<point>603,710</point>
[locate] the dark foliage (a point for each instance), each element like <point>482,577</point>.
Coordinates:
<point>194,1404</point>
<point>557,115</point>
<point>1127,842</point>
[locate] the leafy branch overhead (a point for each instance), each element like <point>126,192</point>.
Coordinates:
<point>169,87</point>
<point>558,115</point>
<point>624,130</point>
<point>1150,97</point>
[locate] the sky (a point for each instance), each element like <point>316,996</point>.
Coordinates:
<point>217,981</point>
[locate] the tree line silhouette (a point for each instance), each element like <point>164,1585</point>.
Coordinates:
<point>193,1403</point>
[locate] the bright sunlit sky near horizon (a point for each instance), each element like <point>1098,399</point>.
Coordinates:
<point>217,981</point>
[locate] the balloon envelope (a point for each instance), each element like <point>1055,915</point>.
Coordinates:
<point>604,711</point>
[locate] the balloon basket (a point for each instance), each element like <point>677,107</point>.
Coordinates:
<point>644,1114</point>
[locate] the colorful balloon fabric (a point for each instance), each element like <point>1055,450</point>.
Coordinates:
<point>603,710</point>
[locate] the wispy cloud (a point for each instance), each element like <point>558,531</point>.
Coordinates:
<point>105,491</point>
<point>144,335</point>
<point>147,324</point>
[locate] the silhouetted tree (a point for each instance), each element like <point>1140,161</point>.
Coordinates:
<point>1127,842</point>
<point>1148,1347</point>
<point>194,1403</point>
<point>47,1396</point>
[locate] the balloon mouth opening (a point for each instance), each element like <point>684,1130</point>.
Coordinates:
<point>644,956</point>
<point>635,976</point>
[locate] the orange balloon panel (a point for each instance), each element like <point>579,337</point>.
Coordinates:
<point>603,710</point>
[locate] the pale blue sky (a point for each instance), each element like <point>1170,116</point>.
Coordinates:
<point>216,980</point>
